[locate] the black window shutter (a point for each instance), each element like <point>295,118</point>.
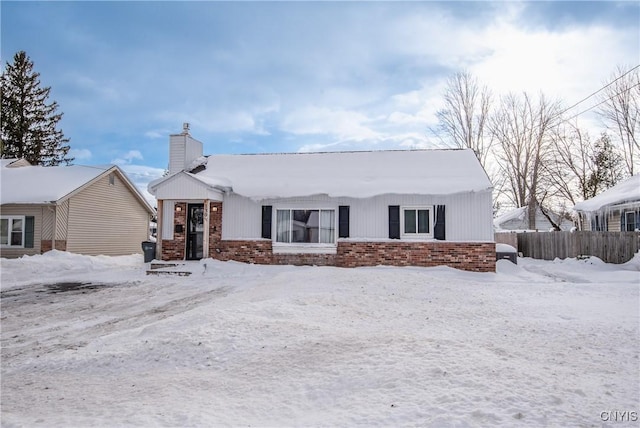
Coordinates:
<point>394,222</point>
<point>343,221</point>
<point>439,228</point>
<point>266,221</point>
<point>28,231</point>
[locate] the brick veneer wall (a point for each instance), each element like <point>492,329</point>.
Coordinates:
<point>45,245</point>
<point>259,252</point>
<point>305,259</point>
<point>471,256</point>
<point>175,249</point>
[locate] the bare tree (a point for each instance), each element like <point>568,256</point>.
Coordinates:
<point>522,129</point>
<point>463,120</point>
<point>620,110</point>
<point>572,163</point>
<point>579,167</point>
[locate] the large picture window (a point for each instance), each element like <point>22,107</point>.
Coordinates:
<point>12,231</point>
<point>417,222</point>
<point>306,226</point>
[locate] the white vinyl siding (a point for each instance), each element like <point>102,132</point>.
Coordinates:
<point>106,219</point>
<point>469,216</point>
<point>188,188</point>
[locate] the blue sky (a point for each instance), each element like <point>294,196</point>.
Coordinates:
<point>298,76</point>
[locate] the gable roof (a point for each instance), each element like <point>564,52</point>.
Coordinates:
<point>623,192</point>
<point>517,219</point>
<point>33,184</point>
<point>346,174</point>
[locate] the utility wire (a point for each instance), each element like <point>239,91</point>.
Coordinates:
<point>600,103</point>
<point>594,93</point>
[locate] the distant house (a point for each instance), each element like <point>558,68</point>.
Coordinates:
<point>348,209</point>
<point>614,210</point>
<point>81,209</point>
<point>517,220</point>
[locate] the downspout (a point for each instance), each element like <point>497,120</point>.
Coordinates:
<point>159,221</point>
<point>206,232</point>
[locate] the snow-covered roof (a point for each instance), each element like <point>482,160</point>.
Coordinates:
<point>46,184</point>
<point>514,214</point>
<point>348,174</point>
<point>43,184</point>
<point>623,192</point>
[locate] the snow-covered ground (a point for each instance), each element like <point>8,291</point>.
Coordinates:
<point>537,344</point>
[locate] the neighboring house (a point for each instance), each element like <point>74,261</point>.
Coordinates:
<point>81,209</point>
<point>517,220</point>
<point>348,209</point>
<point>616,209</point>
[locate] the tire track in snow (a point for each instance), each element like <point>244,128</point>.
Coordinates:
<point>16,342</point>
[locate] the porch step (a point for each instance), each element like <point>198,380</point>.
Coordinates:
<point>167,272</point>
<point>168,269</point>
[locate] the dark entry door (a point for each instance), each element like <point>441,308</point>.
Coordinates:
<point>195,229</point>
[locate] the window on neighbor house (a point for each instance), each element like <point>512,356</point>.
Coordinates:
<point>630,221</point>
<point>306,226</point>
<point>417,222</point>
<point>12,231</point>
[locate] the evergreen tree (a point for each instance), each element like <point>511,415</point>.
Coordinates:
<point>607,164</point>
<point>28,127</point>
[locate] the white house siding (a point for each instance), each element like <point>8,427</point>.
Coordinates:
<point>187,188</point>
<point>468,215</point>
<point>25,210</point>
<point>183,149</point>
<point>106,219</point>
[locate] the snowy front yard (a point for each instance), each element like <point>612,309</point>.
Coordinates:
<point>538,344</point>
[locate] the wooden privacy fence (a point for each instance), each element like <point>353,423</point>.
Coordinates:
<point>611,247</point>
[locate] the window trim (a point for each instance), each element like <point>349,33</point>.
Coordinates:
<point>9,227</point>
<point>304,246</point>
<point>626,221</point>
<point>416,235</point>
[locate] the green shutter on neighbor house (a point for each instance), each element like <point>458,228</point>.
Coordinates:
<point>343,221</point>
<point>266,221</point>
<point>28,231</point>
<point>394,221</point>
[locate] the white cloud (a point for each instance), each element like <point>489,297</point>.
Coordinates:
<point>341,124</point>
<point>80,154</point>
<point>141,176</point>
<point>128,157</point>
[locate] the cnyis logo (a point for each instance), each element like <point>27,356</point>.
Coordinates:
<point>618,416</point>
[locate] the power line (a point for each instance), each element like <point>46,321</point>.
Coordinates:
<point>601,102</point>
<point>594,93</point>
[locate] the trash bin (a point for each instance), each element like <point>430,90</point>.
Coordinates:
<point>506,252</point>
<point>149,250</point>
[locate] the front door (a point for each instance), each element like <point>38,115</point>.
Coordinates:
<point>195,229</point>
